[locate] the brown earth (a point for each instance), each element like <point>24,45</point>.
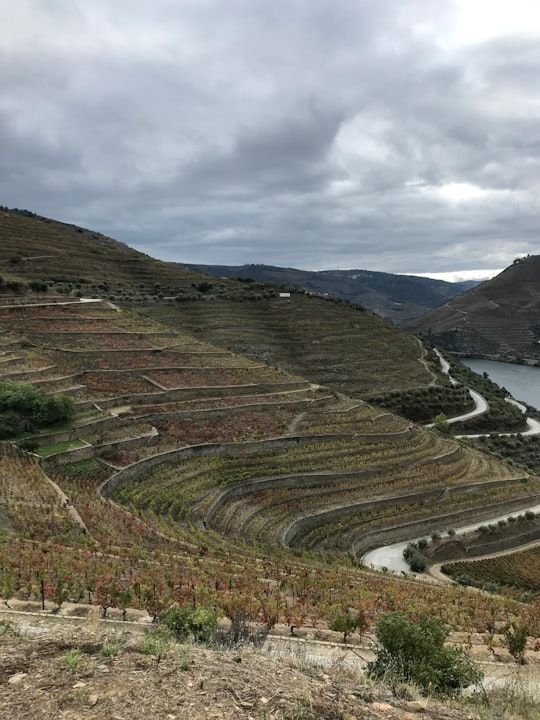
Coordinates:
<point>40,680</point>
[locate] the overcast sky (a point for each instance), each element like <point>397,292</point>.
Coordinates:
<point>395,135</point>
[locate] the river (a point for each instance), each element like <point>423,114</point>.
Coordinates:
<point>521,381</point>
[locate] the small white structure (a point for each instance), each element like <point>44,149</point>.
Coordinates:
<point>284,295</point>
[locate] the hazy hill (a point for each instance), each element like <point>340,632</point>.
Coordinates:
<point>498,319</point>
<point>399,298</point>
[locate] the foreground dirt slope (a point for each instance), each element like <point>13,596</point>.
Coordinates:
<point>37,683</point>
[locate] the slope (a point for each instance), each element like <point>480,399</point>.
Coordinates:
<point>329,342</point>
<point>497,320</point>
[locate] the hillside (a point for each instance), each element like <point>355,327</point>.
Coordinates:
<point>398,298</point>
<point>496,320</point>
<point>69,259</point>
<point>349,350</point>
<point>222,454</point>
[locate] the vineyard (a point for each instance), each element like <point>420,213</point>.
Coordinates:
<point>192,473</point>
<point>518,574</point>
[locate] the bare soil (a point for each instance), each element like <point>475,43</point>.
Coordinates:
<point>38,681</point>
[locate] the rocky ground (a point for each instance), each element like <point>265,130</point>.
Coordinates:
<point>54,667</point>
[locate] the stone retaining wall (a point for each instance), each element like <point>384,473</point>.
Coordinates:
<point>232,449</point>
<point>310,480</point>
<point>115,421</point>
<point>306,523</point>
<point>195,393</point>
<point>90,451</point>
<point>503,543</point>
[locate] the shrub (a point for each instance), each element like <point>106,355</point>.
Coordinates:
<point>414,558</point>
<point>29,444</point>
<point>346,622</point>
<point>189,623</point>
<point>418,562</point>
<point>440,423</point>
<point>414,652</point>
<point>515,639</point>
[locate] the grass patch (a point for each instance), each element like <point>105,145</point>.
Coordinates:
<point>54,448</point>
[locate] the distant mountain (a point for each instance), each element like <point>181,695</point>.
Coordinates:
<point>499,319</point>
<point>399,298</point>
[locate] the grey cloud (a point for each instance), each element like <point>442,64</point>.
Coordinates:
<point>308,133</point>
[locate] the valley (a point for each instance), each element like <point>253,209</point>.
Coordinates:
<point>227,450</point>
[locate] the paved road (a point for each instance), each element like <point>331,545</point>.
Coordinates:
<point>391,556</point>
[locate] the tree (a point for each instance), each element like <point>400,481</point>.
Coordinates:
<point>22,405</point>
<point>414,652</point>
<point>440,423</point>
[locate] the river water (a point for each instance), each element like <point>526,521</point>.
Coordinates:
<point>521,381</point>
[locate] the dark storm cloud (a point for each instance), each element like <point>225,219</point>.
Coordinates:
<point>309,133</point>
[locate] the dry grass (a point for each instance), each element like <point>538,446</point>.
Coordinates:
<point>185,682</point>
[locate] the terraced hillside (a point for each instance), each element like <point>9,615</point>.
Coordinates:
<point>301,467</point>
<point>329,342</point>
<point>197,473</point>
<point>44,251</point>
<point>498,319</point>
<point>348,478</point>
<point>218,466</point>
<point>341,347</point>
<point>132,382</point>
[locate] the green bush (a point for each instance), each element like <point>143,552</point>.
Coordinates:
<point>346,621</point>
<point>515,639</point>
<point>414,558</point>
<point>21,405</point>
<point>189,623</point>
<point>414,652</point>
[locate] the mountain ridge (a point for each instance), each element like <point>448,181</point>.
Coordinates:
<point>398,298</point>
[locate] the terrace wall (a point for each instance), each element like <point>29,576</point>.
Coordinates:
<point>231,449</point>
<point>503,543</point>
<point>90,451</point>
<point>307,523</point>
<point>283,481</point>
<point>194,393</point>
<point>113,421</point>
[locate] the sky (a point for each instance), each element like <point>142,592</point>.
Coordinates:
<point>393,135</point>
